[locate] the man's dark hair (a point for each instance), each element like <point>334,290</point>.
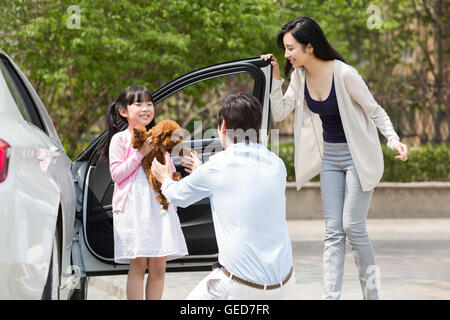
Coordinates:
<point>242,114</point>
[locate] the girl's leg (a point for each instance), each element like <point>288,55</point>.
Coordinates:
<point>135,280</point>
<point>356,208</point>
<point>332,186</point>
<point>155,280</point>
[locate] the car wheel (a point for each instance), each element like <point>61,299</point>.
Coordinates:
<point>51,289</point>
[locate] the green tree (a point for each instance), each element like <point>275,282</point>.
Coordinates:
<point>78,71</point>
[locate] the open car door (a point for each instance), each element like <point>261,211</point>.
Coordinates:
<point>193,101</point>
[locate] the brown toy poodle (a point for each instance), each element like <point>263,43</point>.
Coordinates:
<point>163,141</point>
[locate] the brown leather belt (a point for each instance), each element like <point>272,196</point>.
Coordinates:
<point>257,285</point>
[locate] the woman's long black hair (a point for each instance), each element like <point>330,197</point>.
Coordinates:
<point>115,122</point>
<point>305,30</point>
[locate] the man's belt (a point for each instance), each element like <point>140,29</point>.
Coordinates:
<point>257,285</point>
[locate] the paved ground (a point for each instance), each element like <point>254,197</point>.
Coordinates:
<point>413,256</point>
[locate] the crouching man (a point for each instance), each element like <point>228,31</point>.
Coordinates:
<point>246,185</point>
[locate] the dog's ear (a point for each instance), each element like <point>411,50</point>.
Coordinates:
<point>166,129</point>
<point>153,135</point>
<point>167,133</point>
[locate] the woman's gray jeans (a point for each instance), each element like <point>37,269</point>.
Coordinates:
<point>345,208</point>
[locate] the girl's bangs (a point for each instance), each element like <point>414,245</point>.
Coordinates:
<point>139,94</point>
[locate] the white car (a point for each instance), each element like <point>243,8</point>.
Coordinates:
<point>37,194</point>
<point>56,216</point>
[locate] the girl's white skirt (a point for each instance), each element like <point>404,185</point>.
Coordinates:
<point>144,229</point>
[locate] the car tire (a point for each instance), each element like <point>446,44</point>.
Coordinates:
<point>51,288</point>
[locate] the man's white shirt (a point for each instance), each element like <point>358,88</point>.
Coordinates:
<point>246,185</point>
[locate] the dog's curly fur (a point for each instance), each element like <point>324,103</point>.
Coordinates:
<point>163,141</point>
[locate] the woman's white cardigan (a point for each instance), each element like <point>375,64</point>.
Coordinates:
<point>360,115</point>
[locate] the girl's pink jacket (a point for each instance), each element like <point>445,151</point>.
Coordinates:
<point>124,162</point>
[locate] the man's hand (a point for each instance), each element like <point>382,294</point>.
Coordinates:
<point>162,171</point>
<point>192,162</point>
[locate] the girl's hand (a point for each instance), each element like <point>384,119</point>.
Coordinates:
<point>403,150</point>
<point>275,65</point>
<point>147,147</point>
<point>192,162</point>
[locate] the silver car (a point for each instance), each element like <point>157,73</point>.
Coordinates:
<point>56,216</point>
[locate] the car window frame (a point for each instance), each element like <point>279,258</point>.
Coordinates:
<point>19,104</point>
<point>210,72</point>
<point>255,91</point>
<point>25,95</point>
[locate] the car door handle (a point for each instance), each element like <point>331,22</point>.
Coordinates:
<point>54,152</point>
<point>45,155</point>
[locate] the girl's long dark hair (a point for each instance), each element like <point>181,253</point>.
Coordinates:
<point>115,122</point>
<point>305,30</point>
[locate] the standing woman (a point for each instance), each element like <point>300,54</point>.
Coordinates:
<point>335,131</point>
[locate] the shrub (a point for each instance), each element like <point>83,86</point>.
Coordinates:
<point>425,163</point>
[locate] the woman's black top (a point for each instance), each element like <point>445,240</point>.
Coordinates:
<point>329,114</point>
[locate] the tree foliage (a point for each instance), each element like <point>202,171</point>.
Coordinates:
<point>78,71</point>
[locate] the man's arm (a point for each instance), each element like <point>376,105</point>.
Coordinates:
<point>186,191</point>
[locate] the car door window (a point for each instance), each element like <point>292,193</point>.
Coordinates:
<point>21,95</point>
<point>19,103</point>
<point>195,107</point>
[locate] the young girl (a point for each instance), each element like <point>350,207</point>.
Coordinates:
<point>335,129</point>
<point>145,235</point>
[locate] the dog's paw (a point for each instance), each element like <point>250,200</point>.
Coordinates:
<point>176,176</point>
<point>140,132</point>
<point>139,136</point>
